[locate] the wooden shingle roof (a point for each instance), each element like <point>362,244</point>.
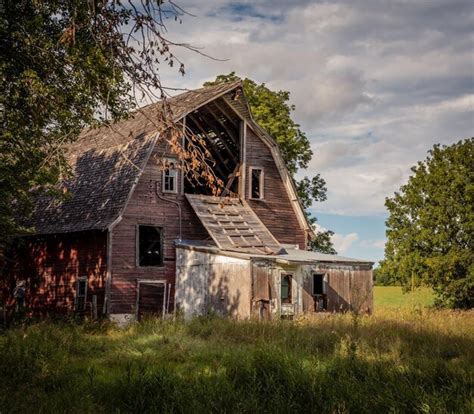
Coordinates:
<point>108,161</point>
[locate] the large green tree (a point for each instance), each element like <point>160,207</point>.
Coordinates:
<point>272,111</point>
<point>68,64</point>
<point>430,228</point>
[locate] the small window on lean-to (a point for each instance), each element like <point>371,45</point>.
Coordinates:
<point>150,246</point>
<point>170,175</point>
<point>286,288</point>
<point>256,183</point>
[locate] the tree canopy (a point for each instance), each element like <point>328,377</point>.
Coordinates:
<point>430,228</point>
<point>68,64</point>
<point>272,111</point>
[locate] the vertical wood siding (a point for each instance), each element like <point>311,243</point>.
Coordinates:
<point>145,208</point>
<point>51,266</point>
<point>275,210</point>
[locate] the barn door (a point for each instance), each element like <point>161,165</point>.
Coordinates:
<point>152,299</point>
<point>261,291</point>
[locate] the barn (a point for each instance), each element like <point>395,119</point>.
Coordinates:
<point>132,237</point>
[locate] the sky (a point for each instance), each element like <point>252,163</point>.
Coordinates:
<point>376,83</point>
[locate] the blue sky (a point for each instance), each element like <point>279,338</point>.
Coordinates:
<point>356,236</point>
<point>375,84</point>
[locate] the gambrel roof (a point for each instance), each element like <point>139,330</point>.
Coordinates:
<point>107,163</point>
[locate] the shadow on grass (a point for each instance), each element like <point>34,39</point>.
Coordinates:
<point>216,365</point>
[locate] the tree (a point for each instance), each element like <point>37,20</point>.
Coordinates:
<point>381,278</point>
<point>272,111</point>
<point>430,228</point>
<point>68,64</point>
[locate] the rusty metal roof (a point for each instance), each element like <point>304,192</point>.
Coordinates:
<point>233,225</point>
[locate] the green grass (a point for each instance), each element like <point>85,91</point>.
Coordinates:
<point>393,297</point>
<point>409,360</point>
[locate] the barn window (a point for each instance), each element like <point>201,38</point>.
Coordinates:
<point>256,183</point>
<point>170,176</point>
<point>286,288</point>
<point>81,294</point>
<point>318,284</point>
<point>150,246</point>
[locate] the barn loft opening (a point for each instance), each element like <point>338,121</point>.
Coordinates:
<point>219,126</point>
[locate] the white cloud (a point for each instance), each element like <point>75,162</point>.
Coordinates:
<point>375,84</point>
<point>342,242</point>
<point>378,243</point>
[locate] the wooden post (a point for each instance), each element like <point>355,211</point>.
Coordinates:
<point>94,307</point>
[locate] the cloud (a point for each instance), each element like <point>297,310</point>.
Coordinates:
<point>342,242</point>
<point>378,243</point>
<point>375,83</point>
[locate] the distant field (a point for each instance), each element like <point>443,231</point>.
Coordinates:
<point>393,297</point>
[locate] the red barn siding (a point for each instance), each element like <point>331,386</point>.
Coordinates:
<point>275,210</point>
<point>146,208</point>
<point>51,265</point>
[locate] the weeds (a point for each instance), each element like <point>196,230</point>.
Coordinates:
<point>394,361</point>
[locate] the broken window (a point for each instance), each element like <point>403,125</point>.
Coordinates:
<point>286,289</point>
<point>170,176</point>
<point>150,246</point>
<point>81,294</point>
<point>256,183</point>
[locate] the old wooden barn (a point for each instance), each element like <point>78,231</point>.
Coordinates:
<point>135,238</point>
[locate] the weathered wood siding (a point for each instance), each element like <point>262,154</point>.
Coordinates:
<point>145,208</point>
<point>210,282</point>
<point>51,265</point>
<point>348,287</point>
<point>275,210</point>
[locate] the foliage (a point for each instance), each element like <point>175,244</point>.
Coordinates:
<point>381,278</point>
<point>430,228</point>
<point>68,64</point>
<point>411,361</point>
<point>272,112</point>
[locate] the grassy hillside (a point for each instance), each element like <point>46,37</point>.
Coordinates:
<point>393,297</point>
<point>393,361</point>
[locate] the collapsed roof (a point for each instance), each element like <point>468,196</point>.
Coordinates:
<point>108,161</point>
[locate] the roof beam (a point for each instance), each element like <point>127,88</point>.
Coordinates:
<point>231,151</point>
<point>231,177</point>
<point>221,105</point>
<point>232,134</point>
<point>209,140</point>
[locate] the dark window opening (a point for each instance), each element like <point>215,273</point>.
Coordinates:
<point>318,284</point>
<point>81,293</point>
<point>215,130</point>
<point>256,185</point>
<point>286,289</point>
<point>150,246</point>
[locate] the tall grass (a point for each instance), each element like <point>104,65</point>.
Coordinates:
<point>394,361</point>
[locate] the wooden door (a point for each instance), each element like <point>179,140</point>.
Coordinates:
<point>151,299</point>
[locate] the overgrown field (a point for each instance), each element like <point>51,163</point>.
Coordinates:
<point>393,361</point>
